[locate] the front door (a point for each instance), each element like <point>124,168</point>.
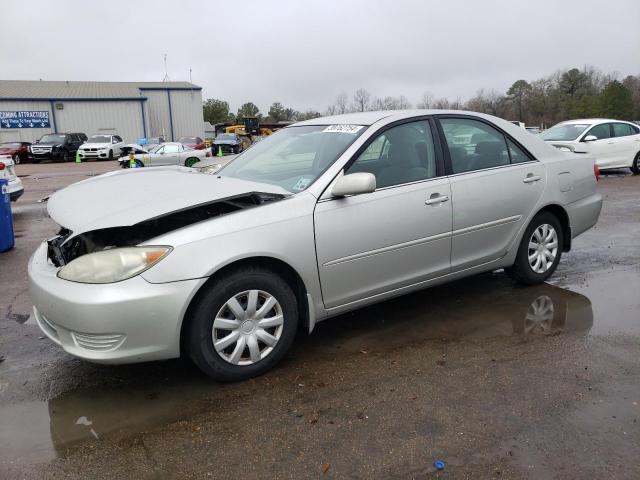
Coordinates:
<point>394,237</point>
<point>495,185</point>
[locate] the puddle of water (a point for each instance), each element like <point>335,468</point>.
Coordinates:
<point>616,301</point>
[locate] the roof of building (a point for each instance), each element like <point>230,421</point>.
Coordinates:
<point>60,90</point>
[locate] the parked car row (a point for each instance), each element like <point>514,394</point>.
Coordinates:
<point>63,147</point>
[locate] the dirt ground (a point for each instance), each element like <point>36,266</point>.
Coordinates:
<point>496,380</point>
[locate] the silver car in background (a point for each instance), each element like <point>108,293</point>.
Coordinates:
<point>323,217</point>
<point>169,153</point>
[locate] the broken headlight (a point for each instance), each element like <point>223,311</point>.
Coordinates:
<point>114,265</point>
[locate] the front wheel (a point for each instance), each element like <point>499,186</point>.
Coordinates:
<point>242,325</point>
<point>16,159</point>
<point>635,167</point>
<point>66,156</point>
<point>110,154</point>
<point>539,252</point>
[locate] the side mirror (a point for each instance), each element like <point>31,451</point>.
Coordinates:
<point>589,138</point>
<point>354,184</point>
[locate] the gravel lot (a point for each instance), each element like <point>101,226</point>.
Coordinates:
<point>496,380</point>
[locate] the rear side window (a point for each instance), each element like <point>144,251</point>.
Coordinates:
<point>600,131</point>
<point>474,145</point>
<point>516,153</point>
<point>622,130</point>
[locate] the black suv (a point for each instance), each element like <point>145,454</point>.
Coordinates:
<point>59,147</point>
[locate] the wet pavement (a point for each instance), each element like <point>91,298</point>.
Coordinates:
<point>497,380</point>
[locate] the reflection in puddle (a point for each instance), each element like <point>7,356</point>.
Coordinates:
<point>474,309</point>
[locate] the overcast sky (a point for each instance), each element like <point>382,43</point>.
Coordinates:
<point>304,53</point>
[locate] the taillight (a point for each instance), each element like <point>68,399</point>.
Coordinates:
<point>596,171</point>
<point>2,165</point>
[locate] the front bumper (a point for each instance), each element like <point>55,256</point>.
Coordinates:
<point>15,189</point>
<point>92,154</point>
<point>124,322</point>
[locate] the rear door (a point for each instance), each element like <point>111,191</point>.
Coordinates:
<point>626,142</point>
<point>394,237</point>
<point>495,184</point>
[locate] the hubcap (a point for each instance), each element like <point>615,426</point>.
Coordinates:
<point>247,327</point>
<point>543,248</point>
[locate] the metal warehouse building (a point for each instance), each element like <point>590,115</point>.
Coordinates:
<point>133,110</point>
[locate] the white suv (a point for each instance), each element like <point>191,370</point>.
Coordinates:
<point>614,143</point>
<point>101,147</point>
<point>7,170</point>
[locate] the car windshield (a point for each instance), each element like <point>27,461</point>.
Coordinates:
<point>53,137</point>
<point>188,140</point>
<point>565,132</point>
<point>99,139</point>
<point>294,157</point>
<point>154,140</point>
<point>9,145</point>
<point>225,136</point>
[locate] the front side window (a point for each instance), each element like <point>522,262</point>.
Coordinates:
<point>293,157</point>
<point>622,130</point>
<point>600,131</point>
<point>171,149</point>
<point>401,154</point>
<point>474,145</point>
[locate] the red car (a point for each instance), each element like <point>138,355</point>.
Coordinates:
<point>193,142</point>
<point>19,151</point>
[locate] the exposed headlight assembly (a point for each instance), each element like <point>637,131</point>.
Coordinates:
<point>115,265</point>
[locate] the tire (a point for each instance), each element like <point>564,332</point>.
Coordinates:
<point>635,167</point>
<point>211,309</point>
<point>110,154</point>
<point>66,157</point>
<point>191,161</point>
<point>16,159</point>
<point>523,270</point>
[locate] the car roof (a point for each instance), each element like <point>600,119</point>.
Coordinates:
<point>369,118</point>
<point>592,121</point>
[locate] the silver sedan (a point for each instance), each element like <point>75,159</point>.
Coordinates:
<point>321,218</point>
<point>169,153</point>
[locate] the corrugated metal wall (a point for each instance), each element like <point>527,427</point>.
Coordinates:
<point>118,117</point>
<point>157,113</point>
<point>24,134</point>
<point>122,118</point>
<point>188,119</point>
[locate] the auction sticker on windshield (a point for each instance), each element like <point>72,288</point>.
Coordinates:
<point>343,129</point>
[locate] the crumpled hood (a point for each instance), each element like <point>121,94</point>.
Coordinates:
<point>7,150</point>
<point>127,197</point>
<point>94,145</point>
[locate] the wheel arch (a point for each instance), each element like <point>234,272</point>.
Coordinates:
<point>280,267</point>
<point>563,217</point>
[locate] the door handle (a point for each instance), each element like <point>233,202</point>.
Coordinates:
<point>436,198</point>
<point>531,178</point>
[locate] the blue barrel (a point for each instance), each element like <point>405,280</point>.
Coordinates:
<point>7,240</point>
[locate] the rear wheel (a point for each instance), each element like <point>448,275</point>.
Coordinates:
<point>635,167</point>
<point>242,325</point>
<point>190,162</point>
<point>539,252</point>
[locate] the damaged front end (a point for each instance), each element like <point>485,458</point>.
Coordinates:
<point>65,247</point>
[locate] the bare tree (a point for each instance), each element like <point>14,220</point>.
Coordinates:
<point>331,110</point>
<point>341,103</point>
<point>426,101</point>
<point>361,100</point>
<point>403,102</point>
